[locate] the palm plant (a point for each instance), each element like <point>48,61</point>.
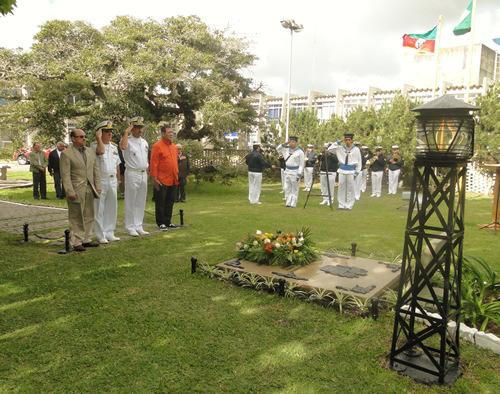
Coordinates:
<point>480,290</point>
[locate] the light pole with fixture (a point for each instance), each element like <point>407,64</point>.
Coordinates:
<point>293,27</point>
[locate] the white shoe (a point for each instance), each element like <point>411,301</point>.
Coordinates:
<point>102,241</point>
<point>133,233</point>
<point>112,238</point>
<point>281,192</point>
<point>140,231</point>
<point>258,203</point>
<point>322,202</point>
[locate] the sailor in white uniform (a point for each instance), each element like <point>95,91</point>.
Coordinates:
<point>349,168</point>
<point>135,153</point>
<point>294,166</point>
<point>105,207</point>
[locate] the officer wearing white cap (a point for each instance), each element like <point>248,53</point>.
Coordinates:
<point>395,163</point>
<point>294,166</point>
<point>135,153</point>
<point>256,164</point>
<point>311,157</point>
<point>349,168</point>
<point>105,207</point>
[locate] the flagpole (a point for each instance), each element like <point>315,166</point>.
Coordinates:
<point>471,43</point>
<point>437,47</point>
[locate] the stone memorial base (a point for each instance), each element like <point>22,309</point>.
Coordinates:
<point>357,276</point>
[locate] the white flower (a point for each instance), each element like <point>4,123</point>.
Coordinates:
<point>277,245</point>
<point>245,246</point>
<point>299,245</point>
<point>267,241</point>
<point>300,234</point>
<point>238,244</point>
<point>301,239</point>
<point>294,240</point>
<point>255,243</point>
<point>258,232</point>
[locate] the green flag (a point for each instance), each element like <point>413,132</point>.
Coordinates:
<point>465,21</point>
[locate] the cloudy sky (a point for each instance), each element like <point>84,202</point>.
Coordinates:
<point>350,44</point>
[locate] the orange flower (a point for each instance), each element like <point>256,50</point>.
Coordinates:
<point>268,248</point>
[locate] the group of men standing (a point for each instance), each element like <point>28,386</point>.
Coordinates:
<point>349,160</point>
<point>91,176</point>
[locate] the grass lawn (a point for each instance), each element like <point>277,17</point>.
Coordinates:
<point>130,317</point>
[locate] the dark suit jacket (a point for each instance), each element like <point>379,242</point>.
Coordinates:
<point>54,162</point>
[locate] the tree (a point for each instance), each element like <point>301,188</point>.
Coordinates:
<point>487,133</point>
<point>177,69</point>
<point>7,6</point>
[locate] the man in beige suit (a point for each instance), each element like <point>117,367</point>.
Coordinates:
<point>82,182</point>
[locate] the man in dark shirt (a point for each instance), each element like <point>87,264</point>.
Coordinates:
<point>54,171</point>
<point>366,155</point>
<point>395,164</point>
<point>256,164</point>
<point>328,166</point>
<point>377,168</point>
<point>311,159</point>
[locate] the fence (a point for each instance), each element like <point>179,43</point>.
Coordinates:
<point>211,157</point>
<point>479,182</point>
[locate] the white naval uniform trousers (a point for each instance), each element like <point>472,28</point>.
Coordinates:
<point>324,185</point>
<point>254,186</point>
<point>377,183</point>
<point>105,207</point>
<point>364,175</point>
<point>308,177</point>
<point>136,182</point>
<point>393,181</point>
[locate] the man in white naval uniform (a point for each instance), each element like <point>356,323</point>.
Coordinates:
<point>294,165</point>
<point>105,207</point>
<point>311,157</point>
<point>394,165</point>
<point>349,167</point>
<point>135,153</point>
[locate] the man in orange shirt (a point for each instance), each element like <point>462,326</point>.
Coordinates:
<point>165,172</point>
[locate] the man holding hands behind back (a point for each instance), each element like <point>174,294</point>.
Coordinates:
<point>82,183</point>
<point>165,172</point>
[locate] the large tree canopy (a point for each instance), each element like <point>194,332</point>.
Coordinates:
<point>177,69</point>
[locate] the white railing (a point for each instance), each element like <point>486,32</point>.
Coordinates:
<point>479,182</point>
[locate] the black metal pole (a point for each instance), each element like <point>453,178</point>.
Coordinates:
<point>194,262</point>
<point>281,287</point>
<point>181,216</point>
<point>66,240</point>
<point>25,231</point>
<point>354,246</point>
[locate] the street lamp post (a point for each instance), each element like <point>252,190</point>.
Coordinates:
<point>293,27</point>
<point>424,345</point>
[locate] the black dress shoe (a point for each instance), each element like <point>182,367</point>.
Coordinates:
<point>91,244</point>
<point>79,248</point>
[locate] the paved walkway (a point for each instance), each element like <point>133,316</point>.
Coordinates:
<point>47,223</point>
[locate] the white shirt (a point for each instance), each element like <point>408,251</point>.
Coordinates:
<point>109,160</point>
<point>294,158</point>
<point>350,156</point>
<point>136,154</point>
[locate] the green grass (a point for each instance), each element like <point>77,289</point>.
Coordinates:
<point>130,317</point>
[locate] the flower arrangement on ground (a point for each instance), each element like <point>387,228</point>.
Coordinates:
<point>278,248</point>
